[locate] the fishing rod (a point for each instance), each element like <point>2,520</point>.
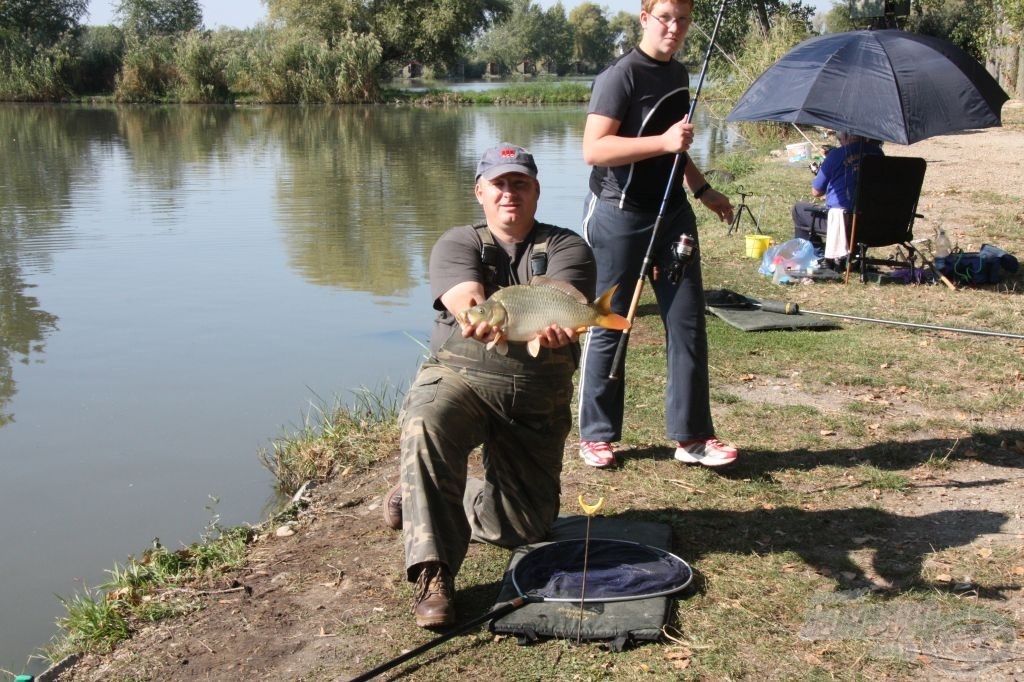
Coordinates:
<point>620,351</point>
<point>787,308</point>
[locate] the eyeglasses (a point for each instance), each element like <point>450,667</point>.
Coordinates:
<point>672,22</point>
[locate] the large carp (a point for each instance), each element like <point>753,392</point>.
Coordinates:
<point>520,312</point>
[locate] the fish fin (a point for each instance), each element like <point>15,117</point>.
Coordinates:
<point>533,346</point>
<point>564,287</point>
<point>605,317</point>
<point>502,347</point>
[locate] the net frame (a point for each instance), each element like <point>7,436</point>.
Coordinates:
<point>681,578</point>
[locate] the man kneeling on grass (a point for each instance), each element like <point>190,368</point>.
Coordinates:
<point>468,393</point>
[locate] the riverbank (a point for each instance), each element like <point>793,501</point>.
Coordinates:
<point>881,485</point>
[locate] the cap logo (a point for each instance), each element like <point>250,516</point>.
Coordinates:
<point>508,153</point>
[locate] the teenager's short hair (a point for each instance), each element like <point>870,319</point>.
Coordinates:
<point>647,5</point>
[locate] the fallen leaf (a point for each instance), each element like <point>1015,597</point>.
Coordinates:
<point>827,432</point>
<point>944,578</point>
<point>985,552</point>
<point>811,659</point>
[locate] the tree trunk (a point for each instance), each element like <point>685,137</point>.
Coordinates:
<point>762,16</point>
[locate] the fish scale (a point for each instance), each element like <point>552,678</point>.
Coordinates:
<point>522,311</point>
<point>530,309</point>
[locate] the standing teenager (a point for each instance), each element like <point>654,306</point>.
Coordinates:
<point>636,125</point>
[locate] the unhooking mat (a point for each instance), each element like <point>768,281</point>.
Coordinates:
<point>620,622</point>
<point>742,313</point>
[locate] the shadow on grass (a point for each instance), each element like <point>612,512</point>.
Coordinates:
<point>1002,448</point>
<point>826,539</point>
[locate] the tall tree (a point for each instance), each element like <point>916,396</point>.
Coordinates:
<point>435,32</point>
<point>39,22</point>
<point>626,28</point>
<point>593,40</point>
<point>142,19</point>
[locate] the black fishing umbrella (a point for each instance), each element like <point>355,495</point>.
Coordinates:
<point>885,85</point>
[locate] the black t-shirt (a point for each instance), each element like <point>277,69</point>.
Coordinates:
<point>646,96</point>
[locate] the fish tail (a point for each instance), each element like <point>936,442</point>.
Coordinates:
<point>605,317</point>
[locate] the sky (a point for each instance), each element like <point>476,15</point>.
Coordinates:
<point>246,13</point>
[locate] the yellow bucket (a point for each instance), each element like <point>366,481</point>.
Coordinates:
<point>757,244</point>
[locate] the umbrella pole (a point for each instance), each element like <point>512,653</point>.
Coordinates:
<point>645,267</point>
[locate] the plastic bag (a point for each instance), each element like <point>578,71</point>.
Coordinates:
<point>791,259</point>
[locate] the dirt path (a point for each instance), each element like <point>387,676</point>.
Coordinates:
<point>303,606</point>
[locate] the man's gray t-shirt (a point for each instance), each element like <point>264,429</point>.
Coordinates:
<point>456,258</point>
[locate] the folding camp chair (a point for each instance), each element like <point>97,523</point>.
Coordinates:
<point>884,211</point>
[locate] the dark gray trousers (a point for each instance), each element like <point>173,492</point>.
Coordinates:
<point>619,239</point>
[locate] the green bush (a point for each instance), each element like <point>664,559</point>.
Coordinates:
<point>98,54</point>
<point>201,70</point>
<point>290,67</point>
<point>148,72</point>
<point>39,75</point>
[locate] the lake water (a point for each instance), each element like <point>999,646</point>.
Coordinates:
<point>181,285</point>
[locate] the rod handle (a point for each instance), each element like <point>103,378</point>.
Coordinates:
<point>620,351</point>
<point>784,307</point>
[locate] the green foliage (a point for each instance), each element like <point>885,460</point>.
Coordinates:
<point>592,38</point>
<point>147,73</point>
<point>435,33</point>
<point>332,438</point>
<point>967,24</point>
<point>39,22</point>
<point>741,25</point>
<point>1014,12</point>
<point>201,69</point>
<point>92,624</point>
<point>756,55</point>
<point>144,19</point>
<point>627,30</point>
<point>289,66</point>
<point>99,51</point>
<point>96,621</point>
<point>28,75</point>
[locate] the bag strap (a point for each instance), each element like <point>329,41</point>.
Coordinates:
<point>489,250</point>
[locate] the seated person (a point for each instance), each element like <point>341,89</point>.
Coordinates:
<point>836,180</point>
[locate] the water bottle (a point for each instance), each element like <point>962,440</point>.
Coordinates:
<point>942,245</point>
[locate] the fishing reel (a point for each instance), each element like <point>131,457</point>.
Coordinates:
<point>682,253</point>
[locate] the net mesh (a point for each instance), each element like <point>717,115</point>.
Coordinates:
<point>616,570</point>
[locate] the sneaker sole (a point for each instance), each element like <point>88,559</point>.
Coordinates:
<point>704,461</point>
<point>597,465</point>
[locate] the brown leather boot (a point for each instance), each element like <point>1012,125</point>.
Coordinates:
<point>393,508</point>
<point>434,600</point>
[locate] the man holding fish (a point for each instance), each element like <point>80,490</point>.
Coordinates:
<point>512,298</point>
